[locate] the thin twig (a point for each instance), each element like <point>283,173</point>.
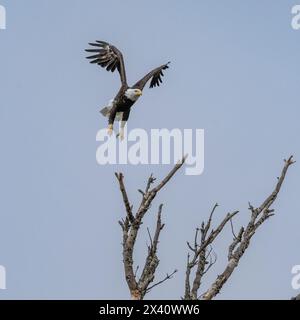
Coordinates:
<point>163,280</point>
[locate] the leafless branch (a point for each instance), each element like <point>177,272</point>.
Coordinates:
<point>232,230</point>
<point>149,234</point>
<point>212,261</point>
<point>240,243</point>
<point>202,259</point>
<point>136,270</point>
<point>120,178</point>
<point>167,277</point>
<point>130,228</point>
<point>170,175</point>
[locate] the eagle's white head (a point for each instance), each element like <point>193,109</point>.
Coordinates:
<point>133,94</point>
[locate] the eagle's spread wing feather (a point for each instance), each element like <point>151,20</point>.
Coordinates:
<point>109,57</point>
<point>155,76</point>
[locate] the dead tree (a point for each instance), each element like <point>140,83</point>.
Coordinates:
<point>202,257</point>
<point>131,227</point>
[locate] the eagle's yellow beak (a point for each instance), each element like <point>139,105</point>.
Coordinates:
<point>139,93</point>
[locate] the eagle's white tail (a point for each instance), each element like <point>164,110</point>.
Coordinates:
<point>105,111</point>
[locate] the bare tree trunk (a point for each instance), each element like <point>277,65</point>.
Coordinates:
<point>131,225</point>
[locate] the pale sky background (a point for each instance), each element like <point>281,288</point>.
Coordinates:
<point>235,73</point>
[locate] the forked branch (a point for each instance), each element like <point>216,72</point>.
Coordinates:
<point>131,226</point>
<point>236,249</point>
<point>240,243</point>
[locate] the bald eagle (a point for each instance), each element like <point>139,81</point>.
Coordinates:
<point>109,57</point>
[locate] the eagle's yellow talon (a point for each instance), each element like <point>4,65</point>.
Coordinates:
<point>110,130</point>
<point>121,136</point>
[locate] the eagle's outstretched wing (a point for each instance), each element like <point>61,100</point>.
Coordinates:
<point>155,76</point>
<point>109,57</point>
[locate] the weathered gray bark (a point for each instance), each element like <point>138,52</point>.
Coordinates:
<point>241,243</point>
<point>131,226</point>
<point>202,256</point>
<point>203,262</point>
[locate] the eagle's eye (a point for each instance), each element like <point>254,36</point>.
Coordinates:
<point>138,92</point>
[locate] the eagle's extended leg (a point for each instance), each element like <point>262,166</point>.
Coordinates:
<point>110,129</point>
<point>111,119</point>
<point>125,117</point>
<point>121,133</point>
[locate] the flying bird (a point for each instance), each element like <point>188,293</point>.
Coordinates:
<point>110,58</point>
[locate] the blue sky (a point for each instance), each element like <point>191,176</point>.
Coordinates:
<point>234,73</point>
